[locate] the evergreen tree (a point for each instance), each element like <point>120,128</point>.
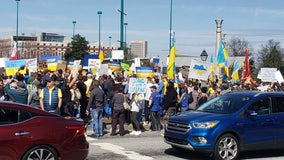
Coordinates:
<point>270,55</point>
<point>77,48</point>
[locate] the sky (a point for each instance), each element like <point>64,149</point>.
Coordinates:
<point>193,22</point>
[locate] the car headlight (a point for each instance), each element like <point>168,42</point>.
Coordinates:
<point>208,124</point>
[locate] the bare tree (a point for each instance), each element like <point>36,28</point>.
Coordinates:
<point>237,47</point>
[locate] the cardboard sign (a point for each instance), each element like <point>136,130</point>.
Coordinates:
<point>61,65</point>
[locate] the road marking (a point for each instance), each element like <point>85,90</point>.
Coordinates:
<point>121,151</point>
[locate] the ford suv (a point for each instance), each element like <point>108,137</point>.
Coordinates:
<point>230,123</point>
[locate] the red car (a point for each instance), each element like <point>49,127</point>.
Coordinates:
<point>28,133</point>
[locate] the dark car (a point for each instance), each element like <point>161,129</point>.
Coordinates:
<point>29,133</point>
<point>229,124</point>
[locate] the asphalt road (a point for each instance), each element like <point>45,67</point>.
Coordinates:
<point>151,146</point>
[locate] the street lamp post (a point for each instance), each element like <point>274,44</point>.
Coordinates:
<point>74,23</point>
<point>99,13</point>
<point>125,24</point>
<point>203,55</point>
<point>17,25</point>
<point>109,37</point>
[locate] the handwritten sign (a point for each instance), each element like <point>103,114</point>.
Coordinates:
<point>137,85</point>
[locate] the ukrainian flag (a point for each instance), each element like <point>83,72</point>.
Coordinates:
<point>235,74</point>
<point>212,69</point>
<point>222,55</point>
<point>101,56</point>
<point>171,64</point>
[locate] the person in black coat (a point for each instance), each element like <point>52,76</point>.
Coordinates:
<point>170,99</point>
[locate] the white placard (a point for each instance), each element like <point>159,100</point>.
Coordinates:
<point>278,76</point>
<point>75,68</point>
<point>117,54</point>
<point>267,74</point>
<point>199,70</point>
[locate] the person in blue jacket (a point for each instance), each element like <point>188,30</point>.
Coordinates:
<point>155,102</point>
<point>183,102</point>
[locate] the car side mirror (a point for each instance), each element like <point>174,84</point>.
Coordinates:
<point>251,113</point>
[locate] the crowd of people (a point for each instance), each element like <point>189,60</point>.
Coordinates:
<point>82,95</point>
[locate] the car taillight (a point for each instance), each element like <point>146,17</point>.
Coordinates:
<point>79,130</point>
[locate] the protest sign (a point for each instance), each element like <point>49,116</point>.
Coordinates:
<point>137,85</point>
<point>267,74</point>
<point>199,70</point>
<point>144,72</point>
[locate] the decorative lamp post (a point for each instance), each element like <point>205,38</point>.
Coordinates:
<point>203,55</point>
<point>99,13</point>
<point>74,23</point>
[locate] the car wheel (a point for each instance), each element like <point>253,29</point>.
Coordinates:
<point>41,152</point>
<point>226,148</point>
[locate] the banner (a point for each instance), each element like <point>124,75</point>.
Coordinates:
<point>13,66</point>
<point>86,59</point>
<point>137,85</point>
<point>144,72</point>
<point>114,66</point>
<point>199,70</point>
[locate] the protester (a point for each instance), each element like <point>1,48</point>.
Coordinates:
<point>183,102</point>
<point>33,99</point>
<point>17,91</point>
<point>147,98</point>
<point>75,98</point>
<point>67,103</point>
<point>118,115</point>
<point>51,97</point>
<point>95,108</point>
<point>3,94</point>
<point>155,108</point>
<point>136,106</point>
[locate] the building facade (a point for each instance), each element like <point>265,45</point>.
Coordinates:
<point>41,45</point>
<point>139,48</point>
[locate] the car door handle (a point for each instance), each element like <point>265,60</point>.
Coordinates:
<point>23,133</point>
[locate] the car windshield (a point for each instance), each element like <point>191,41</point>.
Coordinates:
<point>224,104</point>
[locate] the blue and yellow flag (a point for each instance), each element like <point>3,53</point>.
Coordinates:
<point>110,56</point>
<point>171,64</point>
<point>222,55</point>
<point>226,68</point>
<point>235,74</point>
<point>101,56</point>
<point>212,69</point>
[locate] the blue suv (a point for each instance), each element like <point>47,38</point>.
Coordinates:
<point>230,123</point>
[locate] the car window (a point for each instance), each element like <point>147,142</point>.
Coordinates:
<point>278,105</point>
<point>224,104</point>
<point>8,116</point>
<point>11,116</point>
<point>262,106</point>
